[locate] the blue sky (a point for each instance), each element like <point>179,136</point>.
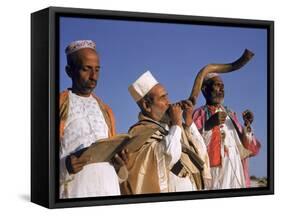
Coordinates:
<point>174,53</point>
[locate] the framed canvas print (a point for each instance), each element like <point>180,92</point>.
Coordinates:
<point>139,107</point>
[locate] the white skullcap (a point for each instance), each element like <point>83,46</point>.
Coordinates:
<point>79,44</point>
<point>142,86</point>
<point>210,76</point>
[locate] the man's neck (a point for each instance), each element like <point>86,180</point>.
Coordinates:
<point>142,117</point>
<point>217,105</point>
<point>79,93</point>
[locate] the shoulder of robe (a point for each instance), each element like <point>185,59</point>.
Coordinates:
<point>63,104</point>
<point>144,134</point>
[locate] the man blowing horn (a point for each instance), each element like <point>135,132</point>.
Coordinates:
<point>173,157</point>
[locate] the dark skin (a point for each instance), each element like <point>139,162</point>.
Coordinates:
<point>213,92</point>
<point>84,72</point>
<point>187,112</point>
<point>161,105</point>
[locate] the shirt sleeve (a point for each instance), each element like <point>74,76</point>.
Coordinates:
<point>172,145</point>
<point>64,174</point>
<point>248,134</point>
<point>250,142</point>
<point>193,132</point>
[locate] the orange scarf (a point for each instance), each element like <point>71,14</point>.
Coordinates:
<point>214,147</point>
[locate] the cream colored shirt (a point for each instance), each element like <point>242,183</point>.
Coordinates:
<point>85,124</point>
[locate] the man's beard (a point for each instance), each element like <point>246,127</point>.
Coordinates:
<point>90,85</point>
<point>165,118</point>
<point>217,98</point>
<point>162,117</point>
<point>86,87</point>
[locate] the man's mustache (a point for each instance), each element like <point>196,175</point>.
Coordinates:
<point>218,94</point>
<point>92,81</point>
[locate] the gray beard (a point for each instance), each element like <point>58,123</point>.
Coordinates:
<point>221,101</point>
<point>165,119</point>
<point>216,100</point>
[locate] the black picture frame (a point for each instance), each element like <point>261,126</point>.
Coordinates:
<point>44,105</point>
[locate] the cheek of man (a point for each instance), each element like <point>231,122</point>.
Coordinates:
<point>87,81</point>
<point>160,102</point>
<point>216,95</point>
<point>159,108</point>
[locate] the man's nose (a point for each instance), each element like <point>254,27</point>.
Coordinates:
<point>168,102</point>
<point>93,75</point>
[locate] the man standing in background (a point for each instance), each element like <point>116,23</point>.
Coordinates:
<point>229,144</point>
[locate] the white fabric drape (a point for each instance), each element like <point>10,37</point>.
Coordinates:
<point>230,174</point>
<point>85,124</point>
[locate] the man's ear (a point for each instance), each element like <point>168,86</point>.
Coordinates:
<point>146,106</point>
<point>68,71</point>
<point>203,89</point>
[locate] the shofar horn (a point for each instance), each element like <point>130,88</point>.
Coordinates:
<point>218,68</point>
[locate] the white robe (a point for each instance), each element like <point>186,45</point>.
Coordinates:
<point>230,174</point>
<point>85,124</point>
<point>168,152</point>
<point>179,184</point>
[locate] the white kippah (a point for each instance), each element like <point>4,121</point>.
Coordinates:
<point>79,44</point>
<point>142,86</point>
<point>210,76</point>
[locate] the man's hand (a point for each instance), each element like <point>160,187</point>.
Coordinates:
<point>215,120</point>
<point>77,164</point>
<point>120,159</point>
<point>175,113</point>
<point>187,112</point>
<point>248,117</point>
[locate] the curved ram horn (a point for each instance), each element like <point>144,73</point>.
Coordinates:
<point>218,68</point>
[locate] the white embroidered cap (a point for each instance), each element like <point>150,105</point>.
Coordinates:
<point>210,76</point>
<point>142,86</point>
<point>79,44</point>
